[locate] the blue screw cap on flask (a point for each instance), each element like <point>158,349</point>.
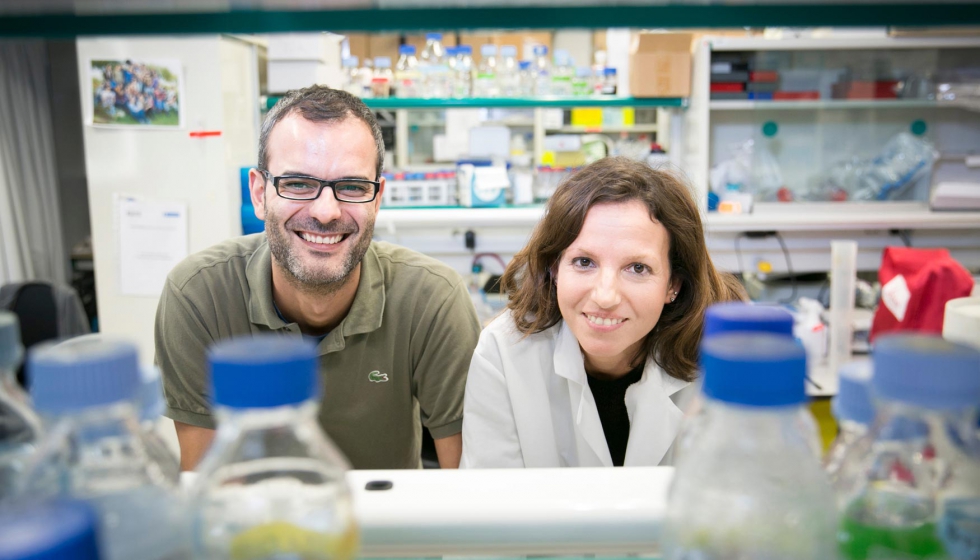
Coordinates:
<point>853,400</point>
<point>743,317</point>
<point>407,50</point>
<point>926,371</point>
<point>49,531</point>
<point>263,372</point>
<point>88,373</point>
<point>11,350</point>
<point>754,369</point>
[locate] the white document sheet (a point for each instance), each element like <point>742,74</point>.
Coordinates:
<point>152,239</point>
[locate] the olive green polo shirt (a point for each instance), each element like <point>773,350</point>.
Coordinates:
<point>401,353</point>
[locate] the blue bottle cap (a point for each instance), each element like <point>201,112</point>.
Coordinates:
<point>11,350</point>
<point>609,71</point>
<point>754,369</point>
<point>853,400</point>
<point>433,36</point>
<point>465,49</point>
<point>263,372</point>
<point>382,62</point>
<point>508,51</point>
<point>540,50</point>
<point>744,317</point>
<point>76,375</point>
<point>406,49</point>
<point>50,531</point>
<point>524,64</point>
<point>926,371</point>
<point>488,50</point>
<point>452,51</point>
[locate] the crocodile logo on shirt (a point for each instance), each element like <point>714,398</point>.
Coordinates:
<point>377,377</point>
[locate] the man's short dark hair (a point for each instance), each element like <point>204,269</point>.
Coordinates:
<point>320,104</point>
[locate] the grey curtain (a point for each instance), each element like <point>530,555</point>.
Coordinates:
<point>31,246</point>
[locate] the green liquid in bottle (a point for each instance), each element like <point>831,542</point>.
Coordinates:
<point>859,541</point>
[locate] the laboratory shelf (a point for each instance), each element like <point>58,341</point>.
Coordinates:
<point>598,129</point>
<point>60,19</point>
<point>830,104</point>
<point>831,216</point>
<point>838,42</point>
<point>784,217</point>
<point>514,102</point>
<point>513,216</point>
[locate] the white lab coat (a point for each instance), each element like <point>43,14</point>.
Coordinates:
<point>528,404</point>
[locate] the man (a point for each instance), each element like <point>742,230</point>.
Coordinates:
<point>395,329</point>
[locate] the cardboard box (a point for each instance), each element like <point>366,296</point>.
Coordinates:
<point>523,40</point>
<point>418,41</point>
<point>384,44</point>
<point>359,46</point>
<point>660,65</point>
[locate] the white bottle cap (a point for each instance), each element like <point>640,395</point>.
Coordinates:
<point>961,322</point>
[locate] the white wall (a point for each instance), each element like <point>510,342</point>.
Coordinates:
<point>220,92</point>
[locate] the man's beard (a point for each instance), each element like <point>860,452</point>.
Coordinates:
<point>313,278</point>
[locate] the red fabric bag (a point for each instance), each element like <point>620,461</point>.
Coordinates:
<point>915,286</point>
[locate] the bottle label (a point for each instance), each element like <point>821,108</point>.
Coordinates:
<point>959,528</point>
<point>280,540</point>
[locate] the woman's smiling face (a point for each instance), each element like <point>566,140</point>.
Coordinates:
<point>613,282</point>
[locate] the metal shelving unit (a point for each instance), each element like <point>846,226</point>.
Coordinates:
<point>113,17</point>
<point>401,106</point>
<point>830,104</point>
<point>394,103</point>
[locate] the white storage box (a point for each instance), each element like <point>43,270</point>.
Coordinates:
<point>284,75</point>
<point>324,47</point>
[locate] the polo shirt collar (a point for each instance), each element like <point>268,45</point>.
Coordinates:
<point>365,313</point>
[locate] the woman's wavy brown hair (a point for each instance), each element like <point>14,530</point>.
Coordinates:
<point>529,279</point>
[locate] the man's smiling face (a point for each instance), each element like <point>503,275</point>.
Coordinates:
<point>317,243</point>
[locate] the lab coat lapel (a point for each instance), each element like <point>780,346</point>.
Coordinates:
<point>654,418</point>
<point>593,451</point>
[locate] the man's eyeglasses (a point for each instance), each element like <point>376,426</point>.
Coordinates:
<point>302,187</point>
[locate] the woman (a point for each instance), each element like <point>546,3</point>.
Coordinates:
<point>592,363</point>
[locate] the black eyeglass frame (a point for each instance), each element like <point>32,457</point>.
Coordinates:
<point>323,184</point>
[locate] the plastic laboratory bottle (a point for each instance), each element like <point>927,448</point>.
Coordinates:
<point>542,71</point>
<point>732,317</point>
<point>508,73</point>
<point>366,74</point>
<point>485,84</point>
<point>272,480</point>
<point>609,81</point>
<point>463,74</point>
<point>562,75</point>
<point>59,530</point>
<point>408,79</point>
<point>452,61</point>
<point>435,70</point>
<point>20,428</point>
<point>854,411</point>
<point>919,489</point>
<point>526,78</point>
<point>352,77</point>
<point>94,449</point>
<point>383,77</point>
<point>750,487</point>
<point>582,82</point>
